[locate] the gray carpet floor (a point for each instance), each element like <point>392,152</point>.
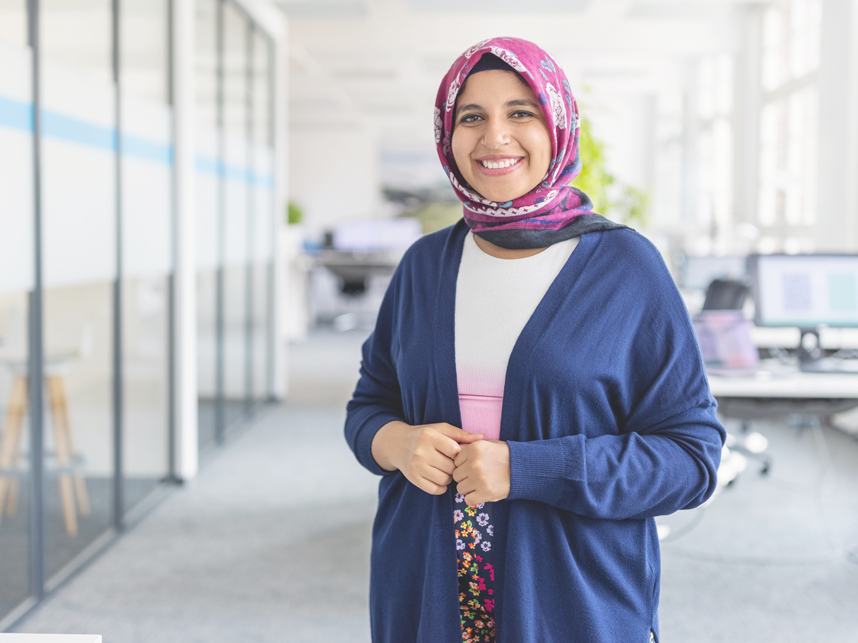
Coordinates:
<point>271,542</point>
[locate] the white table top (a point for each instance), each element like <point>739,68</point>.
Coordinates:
<point>786,383</point>
<point>50,638</point>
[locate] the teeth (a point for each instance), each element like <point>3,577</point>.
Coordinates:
<point>493,165</point>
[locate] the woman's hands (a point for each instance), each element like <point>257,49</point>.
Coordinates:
<point>424,454</point>
<point>482,471</point>
<point>431,456</point>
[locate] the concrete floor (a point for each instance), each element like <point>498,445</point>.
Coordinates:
<point>271,541</point>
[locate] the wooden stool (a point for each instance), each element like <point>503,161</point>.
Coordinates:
<point>71,482</point>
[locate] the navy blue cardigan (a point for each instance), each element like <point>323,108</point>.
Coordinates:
<point>609,421</point>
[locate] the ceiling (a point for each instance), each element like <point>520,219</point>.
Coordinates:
<point>377,63</point>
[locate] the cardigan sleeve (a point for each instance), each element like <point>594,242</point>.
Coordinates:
<point>377,398</point>
<point>654,445</point>
<point>671,466</point>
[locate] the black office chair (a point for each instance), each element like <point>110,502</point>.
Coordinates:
<point>726,294</point>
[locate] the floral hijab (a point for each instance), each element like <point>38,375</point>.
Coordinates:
<point>542,216</point>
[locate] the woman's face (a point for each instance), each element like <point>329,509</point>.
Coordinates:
<point>501,141</point>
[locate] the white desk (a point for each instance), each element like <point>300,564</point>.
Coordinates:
<point>776,390</point>
<point>787,384</point>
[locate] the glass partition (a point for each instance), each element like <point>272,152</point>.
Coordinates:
<point>78,166</point>
<point>13,23</point>
<point>105,173</point>
<point>262,228</point>
<point>16,282</point>
<point>236,160</point>
<point>147,251</point>
<point>206,196</point>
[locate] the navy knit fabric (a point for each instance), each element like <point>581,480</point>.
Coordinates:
<point>609,421</point>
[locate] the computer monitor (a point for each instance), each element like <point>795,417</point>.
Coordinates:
<point>807,291</point>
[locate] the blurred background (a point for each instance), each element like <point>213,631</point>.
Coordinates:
<point>201,205</point>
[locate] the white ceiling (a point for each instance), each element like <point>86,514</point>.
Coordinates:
<point>378,63</point>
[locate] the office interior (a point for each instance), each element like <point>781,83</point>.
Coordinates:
<point>202,202</point>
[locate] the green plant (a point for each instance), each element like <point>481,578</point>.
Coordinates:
<point>610,196</point>
<point>294,213</point>
<point>595,179</point>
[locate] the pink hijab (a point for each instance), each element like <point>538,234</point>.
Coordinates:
<point>543,215</point>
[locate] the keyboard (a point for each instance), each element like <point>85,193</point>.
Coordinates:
<point>829,365</point>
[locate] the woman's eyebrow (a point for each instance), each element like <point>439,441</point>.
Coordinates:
<point>523,102</point>
<point>467,108</point>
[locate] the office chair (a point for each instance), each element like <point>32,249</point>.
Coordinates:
<point>726,294</point>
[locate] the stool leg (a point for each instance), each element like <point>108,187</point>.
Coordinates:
<point>63,456</point>
<point>65,426</point>
<point>11,439</point>
<point>12,502</point>
<point>21,411</point>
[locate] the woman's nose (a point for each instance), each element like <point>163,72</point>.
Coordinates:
<point>495,134</point>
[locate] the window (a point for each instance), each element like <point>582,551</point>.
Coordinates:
<point>788,125</point>
<point>714,202</point>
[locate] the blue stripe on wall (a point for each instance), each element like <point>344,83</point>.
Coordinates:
<point>77,131</point>
<point>148,150</point>
<point>214,167</point>
<point>19,115</point>
<point>16,114</point>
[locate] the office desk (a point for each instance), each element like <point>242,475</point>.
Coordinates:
<point>355,268</point>
<point>777,390</point>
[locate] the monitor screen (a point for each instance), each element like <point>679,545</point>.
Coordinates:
<point>805,290</point>
<point>700,271</point>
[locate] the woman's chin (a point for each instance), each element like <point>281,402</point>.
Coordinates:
<point>501,195</point>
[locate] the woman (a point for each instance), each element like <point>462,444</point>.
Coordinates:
<point>532,394</point>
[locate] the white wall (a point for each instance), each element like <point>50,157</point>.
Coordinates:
<point>333,173</point>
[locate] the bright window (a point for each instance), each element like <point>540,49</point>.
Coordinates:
<point>789,123</point>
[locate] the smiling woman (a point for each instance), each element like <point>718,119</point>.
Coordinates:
<point>532,396</point>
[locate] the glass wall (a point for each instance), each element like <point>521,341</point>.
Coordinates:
<point>262,234</point>
<point>147,243</point>
<point>87,256</point>
<point>235,220</point>
<point>16,282</point>
<point>235,200</point>
<point>79,222</point>
<point>207,197</point>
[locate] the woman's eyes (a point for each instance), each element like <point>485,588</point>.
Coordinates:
<point>469,118</point>
<point>518,114</point>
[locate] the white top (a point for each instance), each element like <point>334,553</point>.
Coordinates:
<point>494,300</point>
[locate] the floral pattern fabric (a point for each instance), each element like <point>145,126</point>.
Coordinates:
<point>474,535</point>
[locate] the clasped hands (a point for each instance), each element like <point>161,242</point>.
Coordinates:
<point>431,456</point>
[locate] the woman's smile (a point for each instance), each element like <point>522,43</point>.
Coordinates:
<point>499,165</point>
